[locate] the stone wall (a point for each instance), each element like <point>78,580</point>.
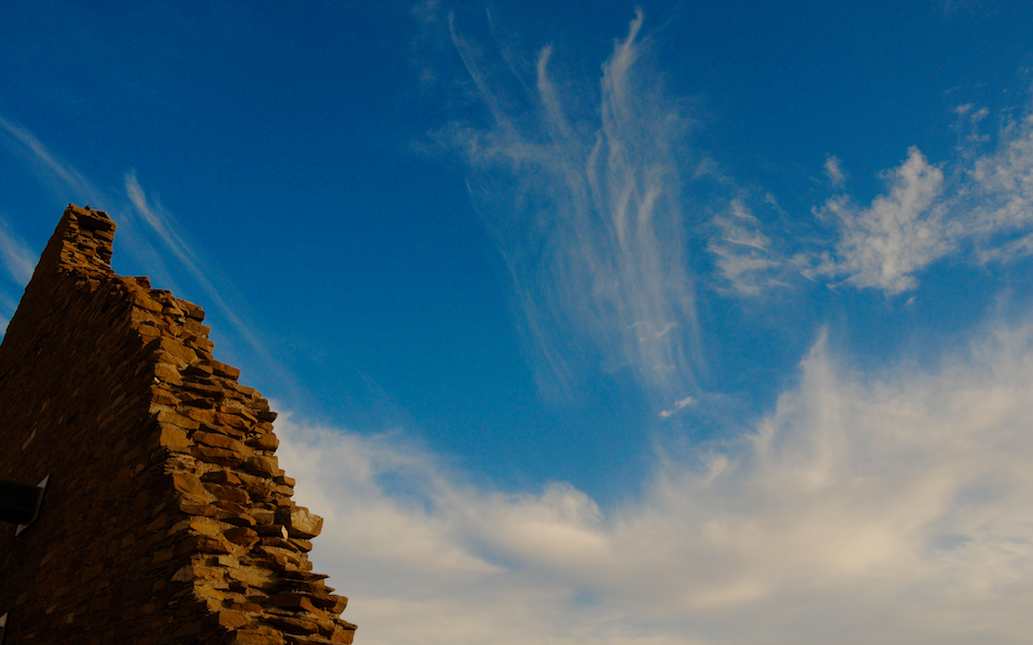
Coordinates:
<point>166,517</point>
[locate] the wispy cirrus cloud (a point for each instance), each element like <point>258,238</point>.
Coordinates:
<point>40,157</point>
<point>17,257</point>
<point>68,184</point>
<point>745,258</point>
<point>162,224</point>
<point>146,226</point>
<point>586,207</point>
<point>862,507</point>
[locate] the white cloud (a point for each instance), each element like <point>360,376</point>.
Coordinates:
<point>883,507</point>
<point>1000,197</point>
<point>976,207</point>
<point>983,204</point>
<point>834,170</point>
<point>900,232</point>
<point>587,214</point>
<point>677,407</point>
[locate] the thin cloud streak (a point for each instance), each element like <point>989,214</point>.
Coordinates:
<point>878,507</point>
<point>20,261</point>
<point>161,224</point>
<point>32,148</point>
<point>587,214</point>
<point>68,184</point>
<point>17,257</point>
<point>744,257</point>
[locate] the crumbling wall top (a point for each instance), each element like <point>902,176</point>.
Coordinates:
<point>82,241</point>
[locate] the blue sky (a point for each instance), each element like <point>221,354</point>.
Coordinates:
<point>574,299</point>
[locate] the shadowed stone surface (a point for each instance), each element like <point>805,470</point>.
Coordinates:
<point>166,518</point>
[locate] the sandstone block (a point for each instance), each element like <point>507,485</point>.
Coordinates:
<point>340,604</point>
<point>302,545</point>
<point>199,414</point>
<point>293,624</point>
<point>167,373</point>
<point>241,535</point>
<point>232,619</point>
<point>189,485</point>
<point>200,369</point>
<point>344,634</point>
<point>259,636</point>
<point>172,417</point>
<point>173,439</point>
<point>265,441</point>
<point>223,476</point>
<point>264,516</point>
<point>262,465</point>
<point>234,494</point>
<point>292,601</point>
<point>220,441</point>
<point>252,576</point>
<point>218,455</point>
<point>178,352</point>
<point>225,371</point>
<point>300,522</point>
<point>284,558</point>
<point>192,310</point>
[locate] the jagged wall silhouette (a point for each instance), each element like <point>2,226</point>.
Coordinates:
<point>166,517</point>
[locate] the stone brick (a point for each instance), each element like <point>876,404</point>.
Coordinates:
<point>235,494</point>
<point>242,535</point>
<point>172,417</point>
<point>226,371</point>
<point>265,441</point>
<point>220,441</point>
<point>218,455</point>
<point>256,637</point>
<point>201,415</point>
<point>300,522</point>
<point>174,439</point>
<point>262,465</point>
<point>179,352</point>
<point>189,485</point>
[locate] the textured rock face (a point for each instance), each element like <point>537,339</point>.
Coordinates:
<point>166,518</point>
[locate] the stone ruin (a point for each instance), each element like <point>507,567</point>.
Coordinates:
<point>166,518</point>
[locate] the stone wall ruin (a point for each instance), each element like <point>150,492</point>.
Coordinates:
<point>167,518</point>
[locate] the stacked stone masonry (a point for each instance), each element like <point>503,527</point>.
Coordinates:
<point>167,518</point>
